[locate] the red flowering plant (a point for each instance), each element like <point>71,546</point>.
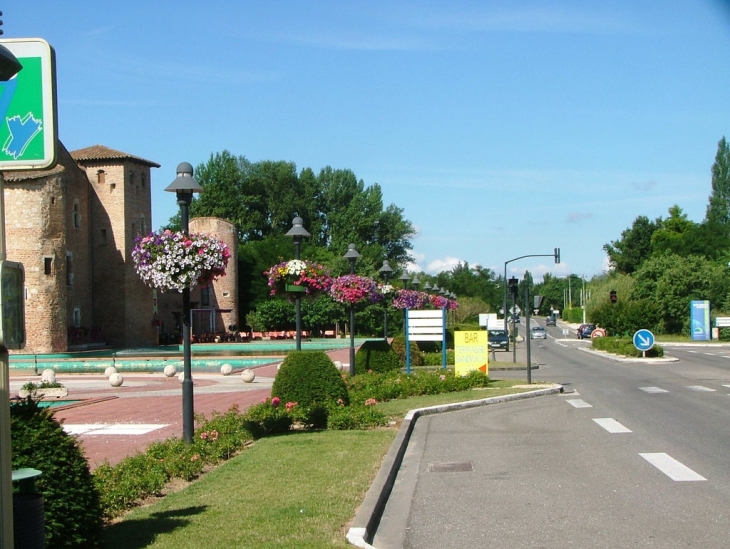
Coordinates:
<point>175,260</point>
<point>354,289</point>
<point>298,275</point>
<point>438,301</point>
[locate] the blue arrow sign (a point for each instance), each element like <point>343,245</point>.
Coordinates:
<point>643,340</point>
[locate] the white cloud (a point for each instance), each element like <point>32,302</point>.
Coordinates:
<point>440,265</point>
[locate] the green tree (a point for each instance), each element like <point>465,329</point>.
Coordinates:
<point>634,247</point>
<point>672,281</point>
<point>718,209</point>
<point>674,234</point>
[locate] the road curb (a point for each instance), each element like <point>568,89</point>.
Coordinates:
<point>369,513</point>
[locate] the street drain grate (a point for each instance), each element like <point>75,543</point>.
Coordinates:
<point>451,467</point>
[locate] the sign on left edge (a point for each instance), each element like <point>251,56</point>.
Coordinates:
<point>28,114</point>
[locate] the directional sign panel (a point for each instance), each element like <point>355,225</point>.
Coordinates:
<point>643,340</point>
<point>28,133</point>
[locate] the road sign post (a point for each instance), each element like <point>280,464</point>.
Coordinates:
<point>643,341</point>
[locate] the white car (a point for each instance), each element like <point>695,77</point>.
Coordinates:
<point>538,332</point>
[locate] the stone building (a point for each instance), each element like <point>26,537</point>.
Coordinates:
<point>73,228</point>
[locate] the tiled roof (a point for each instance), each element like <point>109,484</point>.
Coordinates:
<point>100,152</point>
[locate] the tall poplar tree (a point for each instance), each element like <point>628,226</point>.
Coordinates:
<point>718,210</point>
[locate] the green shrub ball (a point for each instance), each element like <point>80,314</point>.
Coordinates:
<point>377,356</point>
<point>309,378</point>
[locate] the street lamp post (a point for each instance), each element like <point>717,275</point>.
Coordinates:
<point>184,186</point>
<point>298,232</point>
<point>385,270</point>
<point>352,256</point>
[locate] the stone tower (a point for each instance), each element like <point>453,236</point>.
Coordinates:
<point>120,209</point>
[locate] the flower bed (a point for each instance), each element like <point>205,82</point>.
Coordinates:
<point>175,261</point>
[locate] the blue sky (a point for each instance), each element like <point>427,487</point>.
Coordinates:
<point>501,128</point>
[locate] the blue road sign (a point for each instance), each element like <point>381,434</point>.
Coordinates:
<point>643,340</point>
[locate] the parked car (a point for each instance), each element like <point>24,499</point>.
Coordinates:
<point>550,321</point>
<point>585,331</point>
<point>538,332</point>
<point>516,318</point>
<point>498,340</point>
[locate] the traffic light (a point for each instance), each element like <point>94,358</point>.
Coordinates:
<point>513,286</point>
<point>612,296</point>
<point>557,255</point>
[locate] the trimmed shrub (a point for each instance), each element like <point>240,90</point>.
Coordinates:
<point>399,346</point>
<point>73,513</point>
<point>436,359</point>
<point>624,346</point>
<point>357,416</point>
<point>309,378</point>
<point>376,355</point>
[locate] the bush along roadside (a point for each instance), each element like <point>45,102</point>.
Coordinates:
<point>625,347</point>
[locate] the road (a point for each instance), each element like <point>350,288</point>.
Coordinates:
<point>632,455</point>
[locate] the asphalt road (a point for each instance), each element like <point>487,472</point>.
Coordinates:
<point>631,455</point>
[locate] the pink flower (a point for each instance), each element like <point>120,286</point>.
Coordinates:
<point>275,401</point>
<point>371,402</point>
<point>290,405</point>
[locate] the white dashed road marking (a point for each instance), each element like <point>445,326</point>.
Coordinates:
<point>653,390</point>
<point>611,425</point>
<point>112,429</point>
<point>578,403</point>
<point>672,468</point>
<point>700,388</point>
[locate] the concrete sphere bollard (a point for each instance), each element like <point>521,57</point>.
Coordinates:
<point>226,369</point>
<point>169,370</point>
<point>116,380</point>
<point>48,376</point>
<point>340,366</point>
<point>248,375</point>
<point>181,376</point>
<point>109,371</point>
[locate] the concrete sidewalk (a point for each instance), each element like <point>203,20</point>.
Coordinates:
<point>115,423</point>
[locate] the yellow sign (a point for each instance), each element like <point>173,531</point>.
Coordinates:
<point>471,352</point>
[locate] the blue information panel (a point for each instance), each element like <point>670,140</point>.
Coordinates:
<point>700,320</point>
<point>643,340</point>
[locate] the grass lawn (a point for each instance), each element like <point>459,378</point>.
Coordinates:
<point>293,491</point>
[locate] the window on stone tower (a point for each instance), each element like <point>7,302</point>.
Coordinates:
<point>205,296</point>
<point>101,177</point>
<point>77,317</point>
<point>69,269</point>
<point>76,214</point>
<point>48,266</point>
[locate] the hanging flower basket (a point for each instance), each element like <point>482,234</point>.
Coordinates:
<point>298,276</point>
<point>410,299</point>
<point>354,289</point>
<point>175,261</point>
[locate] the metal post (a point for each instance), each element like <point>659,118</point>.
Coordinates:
<point>184,186</point>
<point>298,232</point>
<point>352,256</point>
<point>187,384</point>
<point>528,331</point>
<point>298,301</point>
